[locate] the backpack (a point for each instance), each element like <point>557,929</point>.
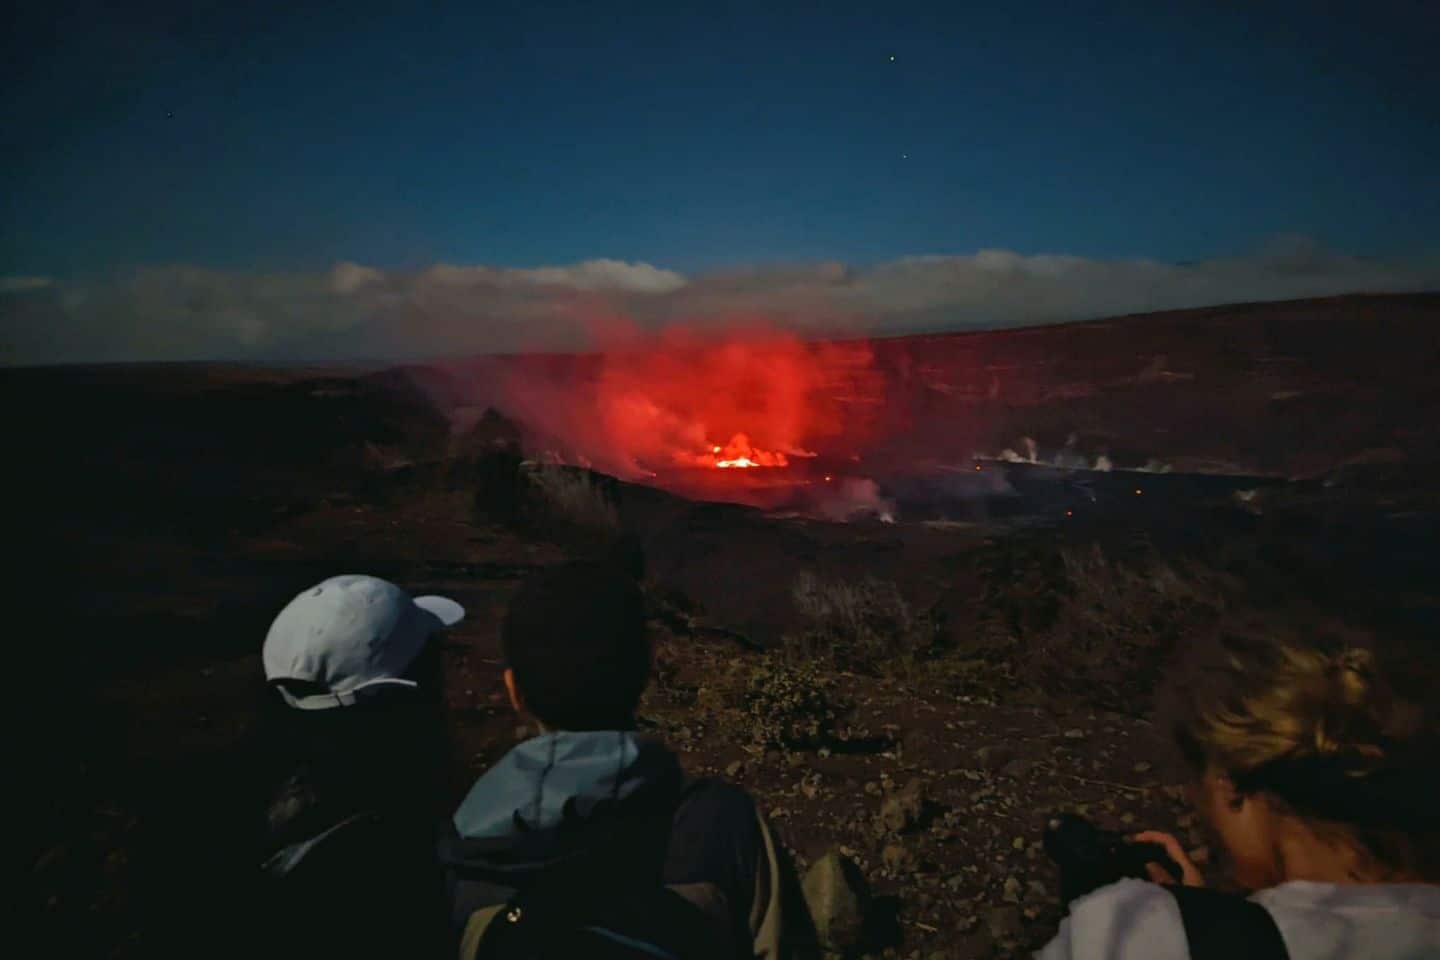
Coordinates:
<point>609,903</point>
<point>1223,926</point>
<point>651,924</point>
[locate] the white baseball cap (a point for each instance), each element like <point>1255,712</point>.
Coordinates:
<point>349,634</point>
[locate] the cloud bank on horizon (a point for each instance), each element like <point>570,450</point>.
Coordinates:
<point>353,312</point>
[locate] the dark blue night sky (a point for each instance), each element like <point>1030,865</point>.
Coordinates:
<point>293,135</point>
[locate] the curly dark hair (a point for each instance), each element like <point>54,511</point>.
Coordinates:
<point>576,638</point>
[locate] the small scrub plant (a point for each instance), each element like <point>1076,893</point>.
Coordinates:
<point>571,497</point>
<point>864,625</point>
<point>1079,622</point>
<point>792,706</point>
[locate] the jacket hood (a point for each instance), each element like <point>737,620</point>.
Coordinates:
<point>551,795</point>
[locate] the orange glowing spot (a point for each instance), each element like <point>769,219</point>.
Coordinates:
<point>977,468</point>
<point>1069,513</point>
<point>1138,491</point>
<point>827,478</point>
<point>737,453</point>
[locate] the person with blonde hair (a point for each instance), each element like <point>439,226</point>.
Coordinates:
<point>1314,767</point>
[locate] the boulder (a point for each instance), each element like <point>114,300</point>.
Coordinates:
<point>838,898</point>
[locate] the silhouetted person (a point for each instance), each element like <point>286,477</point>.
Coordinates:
<point>499,485</point>
<point>499,491</point>
<point>359,746</point>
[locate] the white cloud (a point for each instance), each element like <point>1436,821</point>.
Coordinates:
<point>607,275</point>
<point>20,283</point>
<point>347,278</point>
<point>589,275</point>
<point>353,311</point>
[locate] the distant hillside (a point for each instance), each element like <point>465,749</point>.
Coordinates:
<point>1279,388</point>
<point>1283,387</point>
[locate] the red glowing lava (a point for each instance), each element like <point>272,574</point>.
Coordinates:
<point>740,401</point>
<point>720,413</point>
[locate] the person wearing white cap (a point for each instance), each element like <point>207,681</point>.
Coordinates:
<point>358,743</point>
<point>350,638</point>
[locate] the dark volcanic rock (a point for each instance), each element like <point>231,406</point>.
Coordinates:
<point>1003,922</point>
<point>994,758</point>
<point>897,858</point>
<point>902,809</point>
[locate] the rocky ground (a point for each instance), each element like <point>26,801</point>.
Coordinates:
<point>907,702</point>
<point>937,795</point>
<point>929,771</point>
<point>941,807</point>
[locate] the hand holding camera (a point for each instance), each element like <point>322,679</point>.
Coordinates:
<point>1090,857</point>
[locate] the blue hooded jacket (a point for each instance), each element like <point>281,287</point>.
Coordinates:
<point>583,807</point>
<point>542,781</point>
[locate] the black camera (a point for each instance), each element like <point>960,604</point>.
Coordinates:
<point>1090,858</point>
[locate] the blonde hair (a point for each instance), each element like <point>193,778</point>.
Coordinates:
<point>1313,720</point>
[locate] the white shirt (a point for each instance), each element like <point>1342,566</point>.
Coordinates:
<point>1135,920</point>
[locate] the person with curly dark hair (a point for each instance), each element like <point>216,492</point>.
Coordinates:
<point>588,837</point>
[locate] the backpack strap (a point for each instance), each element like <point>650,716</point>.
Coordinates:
<point>475,929</point>
<point>663,924</point>
<point>1223,926</point>
<point>288,858</point>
